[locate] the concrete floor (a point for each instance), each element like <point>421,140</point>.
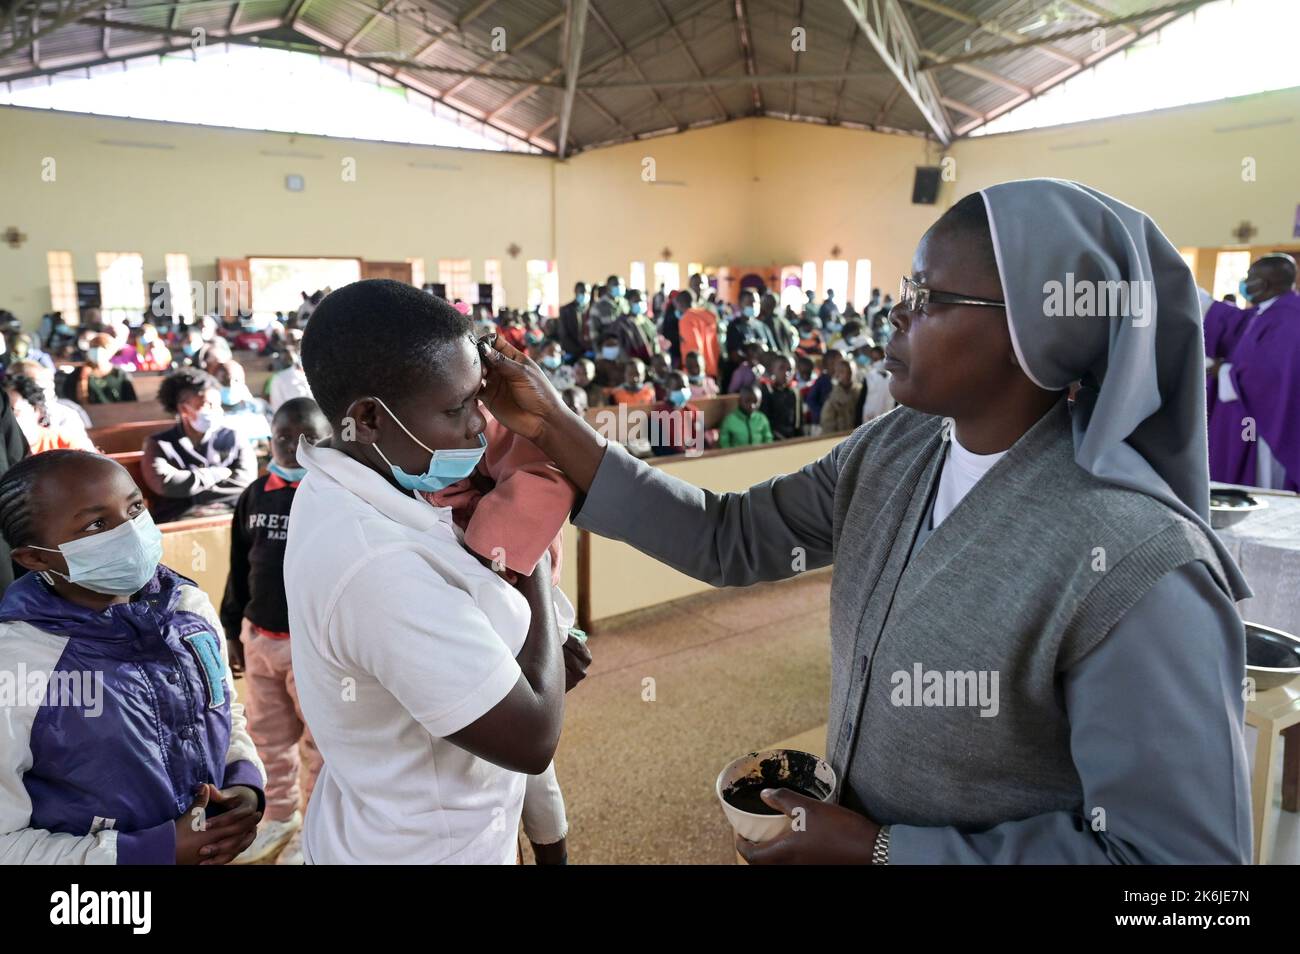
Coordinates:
<point>729,672</point>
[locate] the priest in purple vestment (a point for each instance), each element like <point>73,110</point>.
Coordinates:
<point>1254,387</point>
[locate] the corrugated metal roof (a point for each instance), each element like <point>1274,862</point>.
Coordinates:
<point>628,46</point>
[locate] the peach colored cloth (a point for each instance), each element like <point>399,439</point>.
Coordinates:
<point>276,724</point>
<point>519,515</point>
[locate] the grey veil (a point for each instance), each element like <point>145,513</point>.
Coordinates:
<point>1095,293</point>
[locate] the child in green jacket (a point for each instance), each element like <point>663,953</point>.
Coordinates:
<point>746,424</point>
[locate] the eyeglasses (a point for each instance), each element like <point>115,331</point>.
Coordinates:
<point>913,296</point>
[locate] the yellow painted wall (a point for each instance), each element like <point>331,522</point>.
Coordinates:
<point>822,186</point>
<point>216,193</point>
<point>1181,166</point>
<point>700,205</point>
<point>623,579</point>
<point>754,191</point>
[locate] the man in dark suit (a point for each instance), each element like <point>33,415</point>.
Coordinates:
<point>569,326</point>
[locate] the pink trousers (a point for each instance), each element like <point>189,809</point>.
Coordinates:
<point>276,725</point>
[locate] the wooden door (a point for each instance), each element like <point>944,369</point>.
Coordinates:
<point>397,271</point>
<point>234,287</point>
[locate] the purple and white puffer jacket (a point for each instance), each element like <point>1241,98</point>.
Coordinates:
<point>109,720</point>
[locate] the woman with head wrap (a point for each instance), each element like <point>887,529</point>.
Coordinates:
<point>1036,657</point>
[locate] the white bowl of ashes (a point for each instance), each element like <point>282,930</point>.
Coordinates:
<point>740,784</point>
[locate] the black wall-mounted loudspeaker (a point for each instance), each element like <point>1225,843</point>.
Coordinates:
<point>925,188</point>
<point>485,294</point>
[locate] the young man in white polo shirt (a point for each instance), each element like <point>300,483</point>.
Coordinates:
<point>431,685</point>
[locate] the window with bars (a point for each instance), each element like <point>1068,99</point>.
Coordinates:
<point>121,285</point>
<point>417,271</point>
<point>492,276</point>
<point>835,278</point>
<point>455,274</point>
<point>668,274</point>
<point>178,285</point>
<point>862,283</point>
<point>809,282</point>
<point>543,287</point>
<point>63,286</point>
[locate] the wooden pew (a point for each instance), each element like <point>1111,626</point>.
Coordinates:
<point>128,437</point>
<point>126,412</point>
<point>200,549</point>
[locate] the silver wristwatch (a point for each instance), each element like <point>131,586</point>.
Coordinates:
<point>880,853</point>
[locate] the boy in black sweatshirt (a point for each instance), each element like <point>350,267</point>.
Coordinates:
<point>781,402</point>
<point>255,616</point>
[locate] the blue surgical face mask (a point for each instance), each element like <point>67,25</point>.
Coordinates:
<point>609,354</point>
<point>226,397</point>
<point>115,563</point>
<point>616,291</point>
<point>291,474</point>
<point>445,467</point>
<point>679,398</point>
<point>862,359</point>
<point>189,349</point>
<point>550,361</point>
<point>96,355</point>
<point>638,308</point>
<point>748,311</point>
<point>1241,290</point>
<point>207,421</point>
<point>581,300</point>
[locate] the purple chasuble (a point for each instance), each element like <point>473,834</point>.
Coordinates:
<point>1265,372</point>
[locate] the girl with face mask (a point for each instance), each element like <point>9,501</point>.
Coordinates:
<point>106,383</point>
<point>200,466</point>
<point>28,399</point>
<point>136,734</point>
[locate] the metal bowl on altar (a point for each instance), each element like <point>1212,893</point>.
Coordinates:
<point>1272,656</point>
<point>1231,506</point>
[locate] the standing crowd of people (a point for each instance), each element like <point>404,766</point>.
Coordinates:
<point>611,345</point>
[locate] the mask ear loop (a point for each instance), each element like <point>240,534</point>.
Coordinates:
<point>45,574</point>
<point>403,427</point>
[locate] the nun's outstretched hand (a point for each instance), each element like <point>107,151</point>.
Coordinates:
<point>819,834</point>
<point>516,390</point>
<point>519,395</point>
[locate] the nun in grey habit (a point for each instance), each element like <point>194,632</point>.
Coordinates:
<point>1036,656</point>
